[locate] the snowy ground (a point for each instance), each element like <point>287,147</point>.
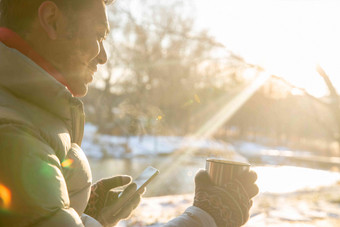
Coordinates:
<point>268,210</point>
<point>306,203</point>
<point>96,145</point>
<point>289,196</point>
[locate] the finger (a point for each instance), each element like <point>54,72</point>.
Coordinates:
<point>248,181</point>
<point>246,218</point>
<point>116,181</point>
<point>126,211</point>
<point>248,177</point>
<point>111,197</point>
<point>142,191</point>
<point>115,208</point>
<point>252,190</point>
<point>129,191</point>
<point>135,201</point>
<point>202,179</point>
<point>252,176</point>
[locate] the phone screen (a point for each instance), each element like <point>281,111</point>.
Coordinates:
<point>145,177</point>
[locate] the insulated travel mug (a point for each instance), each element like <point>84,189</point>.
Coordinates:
<point>222,170</point>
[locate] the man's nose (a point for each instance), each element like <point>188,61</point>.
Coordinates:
<point>102,57</point>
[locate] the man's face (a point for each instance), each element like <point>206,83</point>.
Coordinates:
<point>79,48</point>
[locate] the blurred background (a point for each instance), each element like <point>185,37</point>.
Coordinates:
<point>247,80</point>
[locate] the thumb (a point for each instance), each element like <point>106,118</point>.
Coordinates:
<point>202,179</point>
<point>116,181</point>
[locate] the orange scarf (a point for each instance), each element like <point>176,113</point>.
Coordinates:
<point>13,40</point>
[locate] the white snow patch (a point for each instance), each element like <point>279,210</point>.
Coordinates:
<point>96,145</point>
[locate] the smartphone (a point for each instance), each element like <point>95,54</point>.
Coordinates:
<point>141,181</point>
<point>145,178</point>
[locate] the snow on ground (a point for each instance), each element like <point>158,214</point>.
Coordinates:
<point>96,145</point>
<point>253,149</point>
<point>308,203</point>
<point>289,196</point>
<point>310,208</point>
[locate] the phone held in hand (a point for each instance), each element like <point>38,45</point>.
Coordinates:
<point>141,181</point>
<point>145,178</point>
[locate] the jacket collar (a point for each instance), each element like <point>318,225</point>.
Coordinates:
<point>13,40</point>
<point>28,81</point>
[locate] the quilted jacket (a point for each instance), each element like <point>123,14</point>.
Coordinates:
<point>45,177</point>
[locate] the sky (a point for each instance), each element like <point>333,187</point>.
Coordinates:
<point>286,37</point>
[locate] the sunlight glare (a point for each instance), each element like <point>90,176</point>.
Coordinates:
<point>287,179</point>
<point>215,122</point>
<point>296,91</point>
<point>227,111</point>
<point>286,46</point>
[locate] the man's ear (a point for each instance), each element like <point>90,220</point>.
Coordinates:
<point>48,15</point>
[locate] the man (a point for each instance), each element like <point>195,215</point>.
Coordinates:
<point>49,52</point>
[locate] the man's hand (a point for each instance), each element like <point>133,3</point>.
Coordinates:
<point>228,206</point>
<point>103,198</point>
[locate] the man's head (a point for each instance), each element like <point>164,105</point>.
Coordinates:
<point>67,33</point>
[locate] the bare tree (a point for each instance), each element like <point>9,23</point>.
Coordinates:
<point>333,103</point>
<point>163,64</point>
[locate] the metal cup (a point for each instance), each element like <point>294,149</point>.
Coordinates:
<point>221,171</point>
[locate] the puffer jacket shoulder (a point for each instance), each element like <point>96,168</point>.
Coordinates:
<point>40,156</point>
<point>39,122</point>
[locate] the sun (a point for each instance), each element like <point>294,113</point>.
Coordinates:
<point>286,38</point>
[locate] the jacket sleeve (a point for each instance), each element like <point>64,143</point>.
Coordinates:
<point>32,185</point>
<point>89,221</point>
<point>192,217</point>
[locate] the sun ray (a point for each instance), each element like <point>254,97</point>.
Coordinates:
<point>207,129</point>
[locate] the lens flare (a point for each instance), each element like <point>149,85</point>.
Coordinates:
<point>67,163</point>
<point>5,197</point>
<point>197,98</point>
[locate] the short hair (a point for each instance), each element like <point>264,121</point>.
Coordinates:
<point>17,15</point>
